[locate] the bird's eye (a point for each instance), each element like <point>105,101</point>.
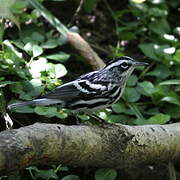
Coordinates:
<point>124,65</point>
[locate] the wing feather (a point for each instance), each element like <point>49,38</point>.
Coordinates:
<point>88,85</point>
<point>65,91</point>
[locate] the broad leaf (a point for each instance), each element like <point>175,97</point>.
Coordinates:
<point>148,50</point>
<point>147,87</point>
<point>159,26</point>
<point>47,174</point>
<point>131,94</point>
<point>176,57</point>
<point>60,70</point>
<point>158,119</point>
<point>132,80</point>
<point>37,50</point>
<point>59,57</point>
<point>171,82</point>
<point>171,99</point>
<point>119,107</point>
<point>5,83</point>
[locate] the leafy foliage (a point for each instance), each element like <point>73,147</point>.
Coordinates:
<point>32,59</point>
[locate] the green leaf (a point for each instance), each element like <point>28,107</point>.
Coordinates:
<point>132,80</point>
<point>159,26</point>
<point>37,50</point>
<point>131,95</point>
<point>61,114</point>
<point>158,119</point>
<point>50,44</point>
<point>171,99</point>
<point>120,118</point>
<point>51,112</point>
<point>119,107</point>
<point>160,71</point>
<point>27,89</point>
<point>46,111</point>
<point>148,50</point>
<point>60,70</point>
<point>62,57</point>
<point>2,30</point>
<point>5,83</point>
<point>28,47</point>
<point>37,37</point>
<point>33,168</point>
<point>148,87</point>
<point>24,109</point>
<point>12,48</point>
<point>170,82</point>
<point>83,117</point>
<point>36,88</point>
<point>157,12</point>
<point>71,177</point>
<point>152,111</point>
<point>102,114</point>
<point>46,174</point>
<point>176,57</point>
<point>51,70</point>
<point>156,51</point>
<point>105,174</point>
<point>19,6</point>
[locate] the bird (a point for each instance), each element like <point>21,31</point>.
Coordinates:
<point>91,91</point>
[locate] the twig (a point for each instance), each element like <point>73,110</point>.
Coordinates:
<point>76,12</point>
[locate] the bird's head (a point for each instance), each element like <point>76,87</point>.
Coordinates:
<point>123,66</point>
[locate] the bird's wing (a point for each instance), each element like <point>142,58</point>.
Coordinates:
<point>75,89</point>
<point>67,90</point>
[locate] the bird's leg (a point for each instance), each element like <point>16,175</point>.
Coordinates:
<point>77,120</point>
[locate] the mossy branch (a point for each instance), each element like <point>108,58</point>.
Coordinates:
<point>117,146</point>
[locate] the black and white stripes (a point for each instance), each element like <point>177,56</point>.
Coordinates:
<point>94,96</point>
<point>91,91</point>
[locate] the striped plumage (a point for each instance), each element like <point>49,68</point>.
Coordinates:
<point>91,91</point>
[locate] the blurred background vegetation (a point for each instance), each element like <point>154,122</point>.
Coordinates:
<point>35,58</point>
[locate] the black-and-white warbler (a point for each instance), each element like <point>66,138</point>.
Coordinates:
<point>91,91</point>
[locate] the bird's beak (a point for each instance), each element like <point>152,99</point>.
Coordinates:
<point>140,63</point>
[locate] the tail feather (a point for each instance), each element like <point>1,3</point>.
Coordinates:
<point>20,104</point>
<point>38,102</point>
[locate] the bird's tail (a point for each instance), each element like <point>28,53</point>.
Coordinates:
<point>20,104</point>
<point>38,102</point>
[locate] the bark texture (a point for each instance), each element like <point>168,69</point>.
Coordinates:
<point>117,146</point>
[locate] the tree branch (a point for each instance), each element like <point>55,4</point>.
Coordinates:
<point>76,41</point>
<point>117,146</point>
